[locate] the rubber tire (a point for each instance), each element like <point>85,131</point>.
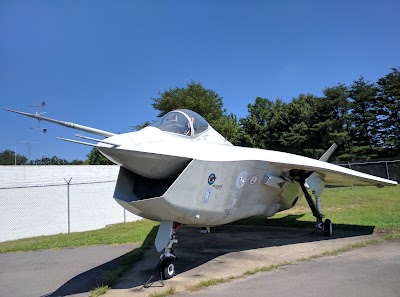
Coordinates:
<point>168,268</point>
<point>328,227</point>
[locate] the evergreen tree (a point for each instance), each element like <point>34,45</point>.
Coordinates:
<point>329,122</point>
<point>388,89</point>
<point>364,131</point>
<point>263,126</point>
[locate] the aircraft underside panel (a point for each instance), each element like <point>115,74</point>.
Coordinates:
<point>208,193</point>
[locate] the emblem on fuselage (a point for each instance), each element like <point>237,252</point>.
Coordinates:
<point>211,178</point>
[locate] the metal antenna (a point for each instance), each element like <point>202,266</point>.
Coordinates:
<point>29,145</point>
<point>37,113</point>
<point>39,106</point>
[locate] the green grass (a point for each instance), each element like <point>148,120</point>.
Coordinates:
<point>101,290</point>
<point>167,292</point>
<point>134,232</point>
<point>346,207</point>
<point>206,283</point>
<point>265,268</point>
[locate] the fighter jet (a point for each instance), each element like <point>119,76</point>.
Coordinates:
<point>180,171</point>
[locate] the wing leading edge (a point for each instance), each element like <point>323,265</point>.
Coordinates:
<point>335,175</point>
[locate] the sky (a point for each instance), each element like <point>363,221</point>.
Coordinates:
<point>99,63</point>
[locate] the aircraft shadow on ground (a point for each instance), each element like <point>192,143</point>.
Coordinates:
<point>194,249</point>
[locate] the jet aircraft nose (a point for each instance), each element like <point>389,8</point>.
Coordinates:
<point>137,152</point>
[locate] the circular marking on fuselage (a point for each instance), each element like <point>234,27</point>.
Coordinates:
<point>253,180</point>
<point>211,178</point>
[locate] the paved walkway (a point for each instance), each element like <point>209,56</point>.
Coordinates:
<point>230,251</point>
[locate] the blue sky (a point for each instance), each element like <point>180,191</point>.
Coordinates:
<point>99,63</point>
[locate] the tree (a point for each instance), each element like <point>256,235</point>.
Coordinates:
<point>364,131</point>
<point>263,126</point>
<point>141,126</point>
<point>308,125</point>
<point>7,157</point>
<point>96,158</point>
<point>331,122</point>
<point>76,162</point>
<point>388,98</point>
<point>49,161</point>
<point>204,101</point>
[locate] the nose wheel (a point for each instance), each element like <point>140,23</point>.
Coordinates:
<point>167,267</point>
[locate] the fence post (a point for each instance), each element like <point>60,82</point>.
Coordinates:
<point>69,217</point>
<point>387,170</point>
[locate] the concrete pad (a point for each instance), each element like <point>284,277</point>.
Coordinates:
<point>369,271</point>
<point>230,251</point>
<point>65,272</point>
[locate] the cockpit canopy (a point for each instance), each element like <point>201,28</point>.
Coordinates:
<point>182,121</point>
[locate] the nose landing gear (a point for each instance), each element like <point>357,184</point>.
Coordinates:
<point>165,239</point>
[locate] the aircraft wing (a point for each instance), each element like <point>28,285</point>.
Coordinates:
<point>335,175</point>
<point>332,174</point>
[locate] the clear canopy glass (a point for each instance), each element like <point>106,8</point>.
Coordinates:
<point>182,121</point>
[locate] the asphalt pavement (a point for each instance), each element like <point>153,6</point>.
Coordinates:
<point>227,251</point>
<point>63,272</point>
<point>230,251</point>
<point>369,272</point>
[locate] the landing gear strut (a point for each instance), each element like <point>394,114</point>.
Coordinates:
<point>165,239</point>
<point>322,227</point>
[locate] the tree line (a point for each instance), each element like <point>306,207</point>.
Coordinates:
<point>362,118</point>
<point>8,157</point>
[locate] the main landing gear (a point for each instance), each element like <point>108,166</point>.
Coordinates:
<point>322,227</point>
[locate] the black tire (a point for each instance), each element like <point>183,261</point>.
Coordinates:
<point>328,227</point>
<point>168,268</point>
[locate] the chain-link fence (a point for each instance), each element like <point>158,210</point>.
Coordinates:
<point>385,169</point>
<point>51,208</point>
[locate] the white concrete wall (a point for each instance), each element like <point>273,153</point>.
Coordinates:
<point>34,200</point>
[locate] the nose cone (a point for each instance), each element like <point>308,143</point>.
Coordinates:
<point>135,151</point>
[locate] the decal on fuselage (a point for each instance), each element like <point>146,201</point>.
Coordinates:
<point>207,196</point>
<point>253,180</point>
<point>211,178</point>
<point>241,180</point>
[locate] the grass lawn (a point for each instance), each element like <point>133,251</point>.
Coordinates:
<point>134,232</point>
<point>346,207</point>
